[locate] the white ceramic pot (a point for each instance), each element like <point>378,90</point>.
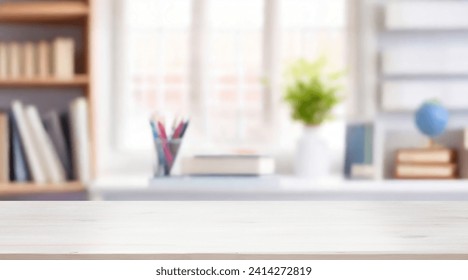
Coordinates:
<point>312,156</point>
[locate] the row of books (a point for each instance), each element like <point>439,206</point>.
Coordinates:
<point>52,149</point>
<point>43,59</point>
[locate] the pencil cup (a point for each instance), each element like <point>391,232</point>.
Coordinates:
<point>166,153</point>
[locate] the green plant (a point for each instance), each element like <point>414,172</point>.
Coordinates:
<point>311,91</point>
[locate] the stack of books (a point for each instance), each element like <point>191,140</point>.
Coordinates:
<point>228,165</point>
<point>32,60</point>
<point>429,163</point>
<point>54,148</point>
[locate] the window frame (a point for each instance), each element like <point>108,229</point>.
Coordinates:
<point>198,66</point>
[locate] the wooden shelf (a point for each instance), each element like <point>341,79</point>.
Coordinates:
<point>77,81</point>
<point>52,13</point>
<point>10,189</point>
<point>43,11</point>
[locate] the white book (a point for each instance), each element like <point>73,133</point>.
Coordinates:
<point>425,61</point>
<point>447,14</point>
<point>47,155</point>
<point>38,174</point>
<point>215,183</point>
<point>29,61</point>
<point>465,139</point>
<point>228,165</point>
<point>409,95</point>
<point>3,61</point>
<point>4,149</point>
<point>63,58</point>
<point>362,171</point>
<point>79,127</point>
<point>14,61</point>
<point>54,129</point>
<point>44,59</point>
<point>425,171</point>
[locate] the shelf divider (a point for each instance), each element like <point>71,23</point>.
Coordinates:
<point>77,81</point>
<point>15,188</point>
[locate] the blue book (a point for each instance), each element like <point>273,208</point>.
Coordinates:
<point>355,147</point>
<point>19,169</point>
<point>359,146</point>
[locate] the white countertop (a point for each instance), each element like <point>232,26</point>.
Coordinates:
<point>234,230</point>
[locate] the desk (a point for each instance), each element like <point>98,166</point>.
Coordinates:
<point>233,230</point>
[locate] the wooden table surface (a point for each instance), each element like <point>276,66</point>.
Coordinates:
<point>233,230</point>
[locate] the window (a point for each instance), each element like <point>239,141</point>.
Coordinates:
<point>234,102</point>
<point>156,36</point>
<point>314,28</point>
<point>219,61</point>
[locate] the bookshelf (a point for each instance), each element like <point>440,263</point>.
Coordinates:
<point>76,14</point>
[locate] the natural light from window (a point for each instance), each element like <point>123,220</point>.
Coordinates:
<point>158,39</point>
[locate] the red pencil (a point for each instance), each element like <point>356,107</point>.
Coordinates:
<point>178,130</point>
<point>167,151</point>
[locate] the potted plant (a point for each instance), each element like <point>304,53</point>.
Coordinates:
<point>312,93</point>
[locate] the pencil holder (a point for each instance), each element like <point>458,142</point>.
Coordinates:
<point>166,154</point>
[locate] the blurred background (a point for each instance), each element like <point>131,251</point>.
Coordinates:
<point>224,63</point>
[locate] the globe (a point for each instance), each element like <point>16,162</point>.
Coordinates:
<point>431,119</point>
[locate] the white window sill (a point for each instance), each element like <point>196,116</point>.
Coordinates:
<point>276,188</point>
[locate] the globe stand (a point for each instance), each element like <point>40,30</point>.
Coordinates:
<point>432,144</point>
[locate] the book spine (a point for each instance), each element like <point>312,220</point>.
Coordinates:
<point>29,65</point>
<point>32,156</point>
<point>55,132</point>
<point>65,123</point>
<point>3,61</point>
<point>63,58</point>
<point>44,59</point>
<point>80,139</point>
<point>19,168</point>
<point>4,149</point>
<point>44,147</point>
<point>14,62</point>
<point>426,156</point>
<point>425,171</point>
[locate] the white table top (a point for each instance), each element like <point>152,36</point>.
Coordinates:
<point>233,230</point>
